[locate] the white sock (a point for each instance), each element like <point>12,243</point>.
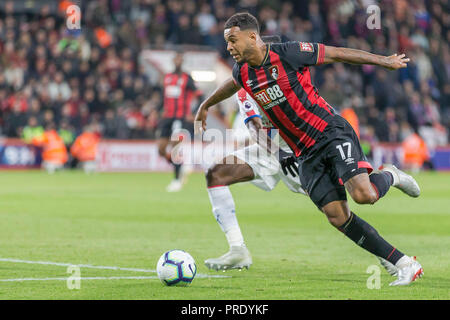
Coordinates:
<point>224,211</point>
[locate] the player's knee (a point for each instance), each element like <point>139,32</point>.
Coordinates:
<point>162,147</point>
<point>162,150</point>
<point>364,196</point>
<point>214,176</point>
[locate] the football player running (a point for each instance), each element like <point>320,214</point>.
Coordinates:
<point>263,163</point>
<point>330,158</point>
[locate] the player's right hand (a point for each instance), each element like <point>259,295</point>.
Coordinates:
<point>395,62</point>
<point>200,120</point>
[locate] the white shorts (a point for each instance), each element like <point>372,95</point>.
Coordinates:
<point>267,169</point>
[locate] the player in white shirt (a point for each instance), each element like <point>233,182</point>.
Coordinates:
<point>259,163</point>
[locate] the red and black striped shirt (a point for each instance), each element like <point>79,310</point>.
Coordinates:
<point>179,91</point>
<point>282,87</point>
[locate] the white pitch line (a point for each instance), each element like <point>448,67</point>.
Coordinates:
<point>81,278</point>
<point>78,265</point>
<point>60,264</point>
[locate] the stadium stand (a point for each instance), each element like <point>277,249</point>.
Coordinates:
<point>53,74</point>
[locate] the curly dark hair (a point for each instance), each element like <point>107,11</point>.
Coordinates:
<point>243,20</point>
<point>271,39</point>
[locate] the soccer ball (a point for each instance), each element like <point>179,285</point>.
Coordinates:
<point>176,268</point>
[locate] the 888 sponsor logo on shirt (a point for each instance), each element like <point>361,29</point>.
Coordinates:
<point>270,97</point>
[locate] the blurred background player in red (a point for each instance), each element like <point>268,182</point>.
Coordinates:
<point>54,152</point>
<point>179,93</point>
<point>84,149</point>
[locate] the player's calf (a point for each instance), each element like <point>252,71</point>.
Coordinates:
<point>359,231</point>
<point>365,195</point>
<point>337,213</point>
<point>368,189</point>
<point>368,238</point>
<point>360,189</point>
<point>228,173</point>
<point>218,178</point>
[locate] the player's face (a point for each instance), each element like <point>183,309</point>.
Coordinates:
<point>239,43</point>
<point>178,61</point>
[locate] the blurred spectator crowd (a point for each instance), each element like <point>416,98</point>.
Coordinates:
<point>49,74</point>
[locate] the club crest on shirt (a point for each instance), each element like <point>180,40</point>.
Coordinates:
<point>274,72</point>
<point>306,46</point>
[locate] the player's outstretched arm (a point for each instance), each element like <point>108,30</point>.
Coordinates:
<point>355,56</point>
<point>224,91</point>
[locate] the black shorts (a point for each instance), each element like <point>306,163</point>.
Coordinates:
<point>335,157</point>
<point>168,126</point>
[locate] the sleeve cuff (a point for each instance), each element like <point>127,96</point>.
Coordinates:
<point>321,54</point>
<point>248,119</point>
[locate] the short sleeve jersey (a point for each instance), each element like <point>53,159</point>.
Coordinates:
<point>282,87</point>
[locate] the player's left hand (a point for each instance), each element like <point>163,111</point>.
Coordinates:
<point>289,165</point>
<point>395,62</point>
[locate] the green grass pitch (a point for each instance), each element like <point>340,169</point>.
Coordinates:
<point>128,220</point>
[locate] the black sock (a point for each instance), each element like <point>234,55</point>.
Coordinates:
<point>365,236</point>
<point>177,168</point>
<point>381,181</point>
